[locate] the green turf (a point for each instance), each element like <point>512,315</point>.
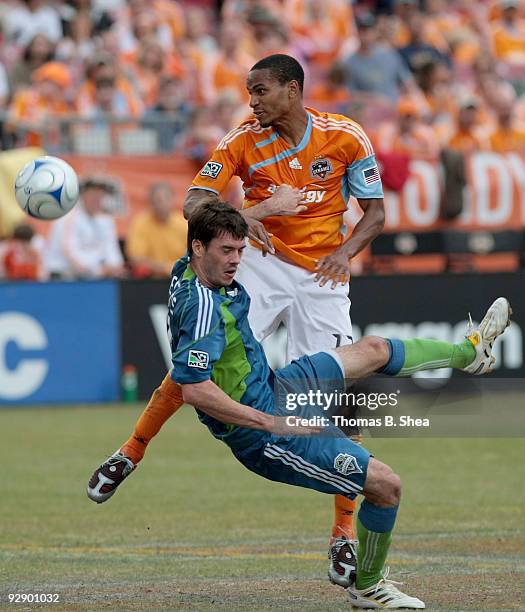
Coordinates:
<point>192,529</point>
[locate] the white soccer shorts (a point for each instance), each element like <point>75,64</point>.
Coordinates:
<point>316,318</point>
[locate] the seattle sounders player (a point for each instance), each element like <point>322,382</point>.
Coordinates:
<point>222,370</point>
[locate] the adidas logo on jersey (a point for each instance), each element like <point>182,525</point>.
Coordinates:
<point>295,164</point>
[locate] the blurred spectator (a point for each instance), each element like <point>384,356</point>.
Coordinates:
<point>409,135</point>
<point>238,10</point>
<point>84,243</point>
<point>373,68</point>
<point>469,136</point>
<point>170,14</point>
<point>267,34</point>
<point>438,101</point>
<point>324,26</point>
<point>331,93</point>
<point>157,236</point>
<point>107,42</point>
<point>151,64</point>
<point>277,40</point>
<point>170,116</point>
<point>105,88</point>
<point>21,260</point>
<point>144,22</point>
<point>32,109</point>
<point>467,31</point>
<point>509,134</point>
<point>82,16</point>
<point>199,28</point>
<point>229,111</point>
<point>417,51</point>
<point>202,136</point>
<point>31,17</point>
<point>38,52</point>
<point>508,34</point>
<point>110,102</point>
<point>227,69</point>
<point>82,23</point>
<point>404,10</point>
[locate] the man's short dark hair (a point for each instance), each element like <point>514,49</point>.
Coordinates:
<point>283,68</point>
<point>215,218</point>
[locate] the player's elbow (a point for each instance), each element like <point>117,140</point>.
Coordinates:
<point>194,198</point>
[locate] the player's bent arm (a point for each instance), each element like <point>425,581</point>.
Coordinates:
<point>212,400</point>
<point>369,226</point>
<point>286,200</point>
<point>195,197</point>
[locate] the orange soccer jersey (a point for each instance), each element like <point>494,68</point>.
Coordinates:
<point>333,161</point>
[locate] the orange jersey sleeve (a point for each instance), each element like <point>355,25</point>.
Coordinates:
<point>333,161</point>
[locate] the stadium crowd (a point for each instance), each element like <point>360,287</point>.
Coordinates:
<point>428,79</point>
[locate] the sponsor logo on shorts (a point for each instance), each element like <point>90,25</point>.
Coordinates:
<point>198,359</point>
<point>211,169</point>
<point>347,464</point>
<point>321,168</point>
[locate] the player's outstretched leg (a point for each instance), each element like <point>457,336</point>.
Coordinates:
<point>375,524</point>
<point>406,357</point>
<point>164,402</point>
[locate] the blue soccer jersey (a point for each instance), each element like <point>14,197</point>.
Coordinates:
<point>211,339</point>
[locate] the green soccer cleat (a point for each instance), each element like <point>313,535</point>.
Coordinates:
<point>494,323</point>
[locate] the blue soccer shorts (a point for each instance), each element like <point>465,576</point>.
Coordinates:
<point>328,462</point>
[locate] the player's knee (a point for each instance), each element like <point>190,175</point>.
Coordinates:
<point>389,494</point>
<point>382,486</point>
<point>393,489</point>
<point>378,349</point>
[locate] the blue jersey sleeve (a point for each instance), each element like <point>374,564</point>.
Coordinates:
<point>197,338</point>
<point>364,181</point>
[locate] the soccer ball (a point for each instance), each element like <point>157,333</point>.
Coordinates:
<point>46,188</point>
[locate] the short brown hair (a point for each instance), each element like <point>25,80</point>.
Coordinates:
<point>212,219</point>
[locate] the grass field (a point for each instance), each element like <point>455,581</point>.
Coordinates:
<point>192,529</point>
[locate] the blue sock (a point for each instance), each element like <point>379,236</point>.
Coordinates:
<point>397,358</point>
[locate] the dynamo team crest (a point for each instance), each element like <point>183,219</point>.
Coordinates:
<point>321,168</point>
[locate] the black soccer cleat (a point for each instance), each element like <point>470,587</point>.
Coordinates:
<point>343,561</point>
<point>106,478</point>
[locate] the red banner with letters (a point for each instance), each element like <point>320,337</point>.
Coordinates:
<point>494,196</point>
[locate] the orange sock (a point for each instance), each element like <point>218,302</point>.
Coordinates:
<point>344,517</point>
<point>345,508</point>
<point>164,402</point>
